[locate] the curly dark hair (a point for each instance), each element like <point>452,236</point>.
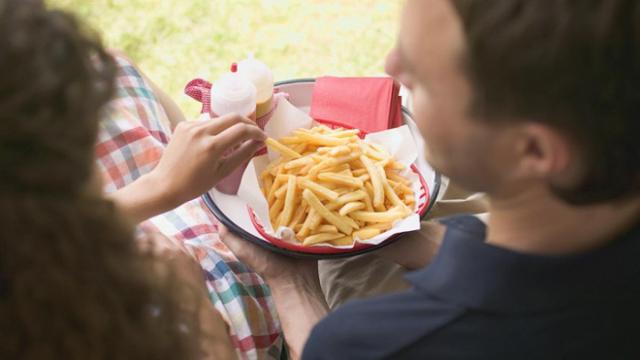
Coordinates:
<point>75,285</point>
<point>571,64</point>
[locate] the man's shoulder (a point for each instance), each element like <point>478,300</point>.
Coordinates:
<point>379,327</point>
<point>470,225</point>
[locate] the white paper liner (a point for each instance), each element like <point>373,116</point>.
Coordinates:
<point>398,142</point>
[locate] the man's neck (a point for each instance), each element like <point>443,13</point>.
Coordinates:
<point>536,222</point>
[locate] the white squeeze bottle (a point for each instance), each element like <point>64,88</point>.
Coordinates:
<point>261,77</point>
<point>233,94</point>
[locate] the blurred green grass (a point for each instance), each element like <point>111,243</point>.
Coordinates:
<point>176,40</point>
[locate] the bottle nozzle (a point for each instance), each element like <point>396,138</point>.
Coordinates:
<point>234,67</point>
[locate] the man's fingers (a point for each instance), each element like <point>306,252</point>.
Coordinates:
<point>217,125</point>
<point>222,230</point>
<point>238,156</point>
<point>233,242</point>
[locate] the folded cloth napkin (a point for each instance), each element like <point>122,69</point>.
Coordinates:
<point>366,103</point>
<point>200,91</point>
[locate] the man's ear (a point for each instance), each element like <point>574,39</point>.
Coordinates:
<point>541,152</point>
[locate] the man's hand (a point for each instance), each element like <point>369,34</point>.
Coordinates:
<point>274,268</point>
<point>295,287</point>
<point>200,154</point>
<point>416,249</point>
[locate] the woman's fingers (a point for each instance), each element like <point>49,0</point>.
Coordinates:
<point>238,134</point>
<point>215,126</point>
<point>201,153</point>
<point>241,154</point>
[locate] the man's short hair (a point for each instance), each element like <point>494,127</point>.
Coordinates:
<point>571,64</point>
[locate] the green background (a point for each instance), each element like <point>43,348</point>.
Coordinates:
<point>176,40</point>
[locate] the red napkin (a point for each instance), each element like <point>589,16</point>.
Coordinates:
<point>366,103</point>
<point>200,90</point>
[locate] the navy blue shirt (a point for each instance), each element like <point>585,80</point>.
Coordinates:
<point>478,301</point>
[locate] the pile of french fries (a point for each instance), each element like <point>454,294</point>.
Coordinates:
<point>329,186</point>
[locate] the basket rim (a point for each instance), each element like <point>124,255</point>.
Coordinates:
<point>432,195</point>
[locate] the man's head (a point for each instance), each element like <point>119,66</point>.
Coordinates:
<point>514,93</point>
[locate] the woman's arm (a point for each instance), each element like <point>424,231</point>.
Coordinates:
<point>144,198</point>
<point>178,177</point>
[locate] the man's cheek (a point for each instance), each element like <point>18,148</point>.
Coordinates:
<point>422,112</point>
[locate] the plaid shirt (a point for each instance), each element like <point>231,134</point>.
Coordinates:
<point>133,135</point>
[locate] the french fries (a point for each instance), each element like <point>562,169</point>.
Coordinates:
<point>287,212</point>
<point>331,187</point>
<point>282,149</point>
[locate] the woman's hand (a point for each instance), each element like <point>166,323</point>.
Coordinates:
<point>200,154</point>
